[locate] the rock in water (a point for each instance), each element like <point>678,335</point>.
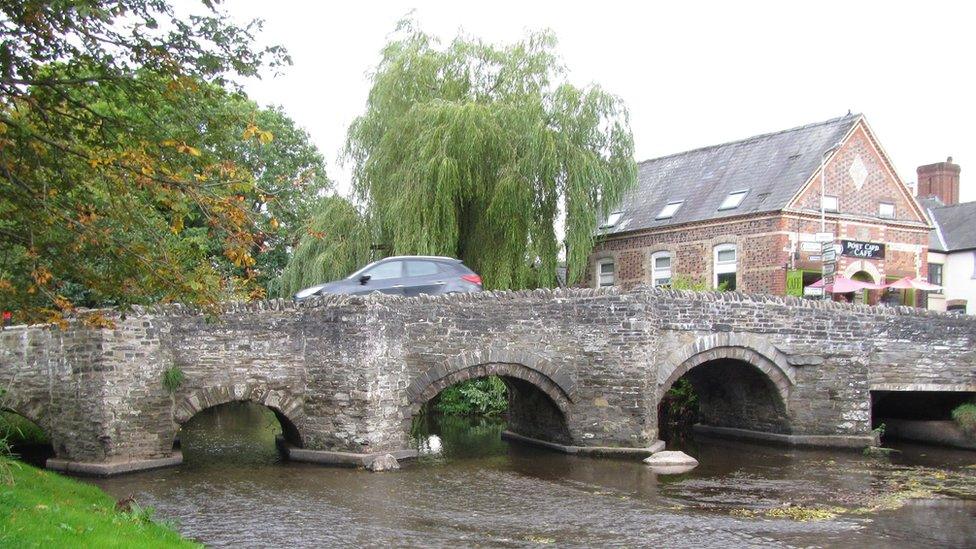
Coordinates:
<point>671,462</point>
<point>383,463</point>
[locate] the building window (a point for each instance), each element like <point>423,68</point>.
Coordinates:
<point>935,275</point>
<point>886,210</point>
<point>669,210</point>
<point>661,269</point>
<point>725,267</point>
<point>830,203</point>
<point>612,220</point>
<point>733,200</point>
<point>605,272</point>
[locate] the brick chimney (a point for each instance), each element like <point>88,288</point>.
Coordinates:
<point>940,180</point>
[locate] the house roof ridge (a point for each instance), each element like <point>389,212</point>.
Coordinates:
<point>971,203</point>
<point>851,116</point>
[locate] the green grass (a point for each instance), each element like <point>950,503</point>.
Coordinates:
<point>43,509</point>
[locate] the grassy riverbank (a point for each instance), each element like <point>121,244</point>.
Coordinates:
<point>43,509</point>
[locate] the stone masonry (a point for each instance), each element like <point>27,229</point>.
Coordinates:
<point>585,367</point>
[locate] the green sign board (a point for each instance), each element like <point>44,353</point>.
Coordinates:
<point>794,283</point>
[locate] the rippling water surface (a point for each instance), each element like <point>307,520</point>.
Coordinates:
<point>474,489</point>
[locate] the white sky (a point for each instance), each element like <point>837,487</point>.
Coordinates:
<point>691,73</point>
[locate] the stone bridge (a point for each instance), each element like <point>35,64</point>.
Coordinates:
<point>586,369</point>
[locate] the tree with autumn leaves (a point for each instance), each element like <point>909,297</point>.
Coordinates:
<point>131,170</point>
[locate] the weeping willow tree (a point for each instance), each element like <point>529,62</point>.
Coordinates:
<point>335,242</point>
<point>476,151</point>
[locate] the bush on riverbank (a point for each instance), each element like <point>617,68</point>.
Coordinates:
<point>39,508</point>
<point>965,416</point>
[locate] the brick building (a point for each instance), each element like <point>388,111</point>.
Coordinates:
<point>745,214</point>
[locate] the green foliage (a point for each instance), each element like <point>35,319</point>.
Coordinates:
<point>16,429</point>
<point>680,402</point>
<point>45,509</point>
<point>335,242</point>
<point>965,416</point>
<point>684,282</point>
<point>127,173</point>
<point>173,379</point>
<point>472,150</point>
<point>485,396</point>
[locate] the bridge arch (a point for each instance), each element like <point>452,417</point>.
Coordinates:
<point>424,391</point>
<point>540,405</point>
<point>746,348</point>
<point>33,410</point>
<point>288,408</point>
<point>27,425</point>
<point>737,385</point>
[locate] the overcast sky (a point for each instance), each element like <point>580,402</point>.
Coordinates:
<point>691,73</point>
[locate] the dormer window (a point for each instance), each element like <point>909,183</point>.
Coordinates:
<point>669,210</point>
<point>733,200</point>
<point>611,220</point>
<point>886,210</point>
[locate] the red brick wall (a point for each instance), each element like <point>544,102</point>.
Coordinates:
<point>761,253</point>
<point>905,249</point>
<point>766,248</point>
<point>879,185</point>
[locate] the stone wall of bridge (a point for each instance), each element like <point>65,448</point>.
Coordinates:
<point>585,367</point>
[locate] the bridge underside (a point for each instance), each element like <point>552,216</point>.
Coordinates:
<point>735,394</point>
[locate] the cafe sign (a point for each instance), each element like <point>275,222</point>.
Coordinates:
<point>862,250</point>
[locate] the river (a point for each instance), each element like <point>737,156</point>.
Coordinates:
<point>473,489</point>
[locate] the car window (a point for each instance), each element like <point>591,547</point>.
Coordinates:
<point>421,268</point>
<point>385,271</point>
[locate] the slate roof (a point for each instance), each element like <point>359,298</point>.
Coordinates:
<point>956,224</point>
<point>772,166</point>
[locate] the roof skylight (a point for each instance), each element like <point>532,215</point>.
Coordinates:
<point>733,200</point>
<point>669,210</point>
<point>612,220</point>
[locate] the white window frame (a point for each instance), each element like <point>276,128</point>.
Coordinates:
<point>724,267</point>
<point>826,199</point>
<point>658,276</point>
<point>600,274</point>
<point>665,214</point>
<point>881,213</point>
<point>733,200</point>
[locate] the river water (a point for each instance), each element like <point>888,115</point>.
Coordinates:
<point>473,489</point>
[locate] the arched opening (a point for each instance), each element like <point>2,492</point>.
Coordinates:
<point>240,431</point>
<point>465,412</point>
<point>945,418</point>
<point>721,392</point>
<point>24,438</point>
<point>867,297</point>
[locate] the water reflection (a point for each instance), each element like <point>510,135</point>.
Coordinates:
<point>471,488</point>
